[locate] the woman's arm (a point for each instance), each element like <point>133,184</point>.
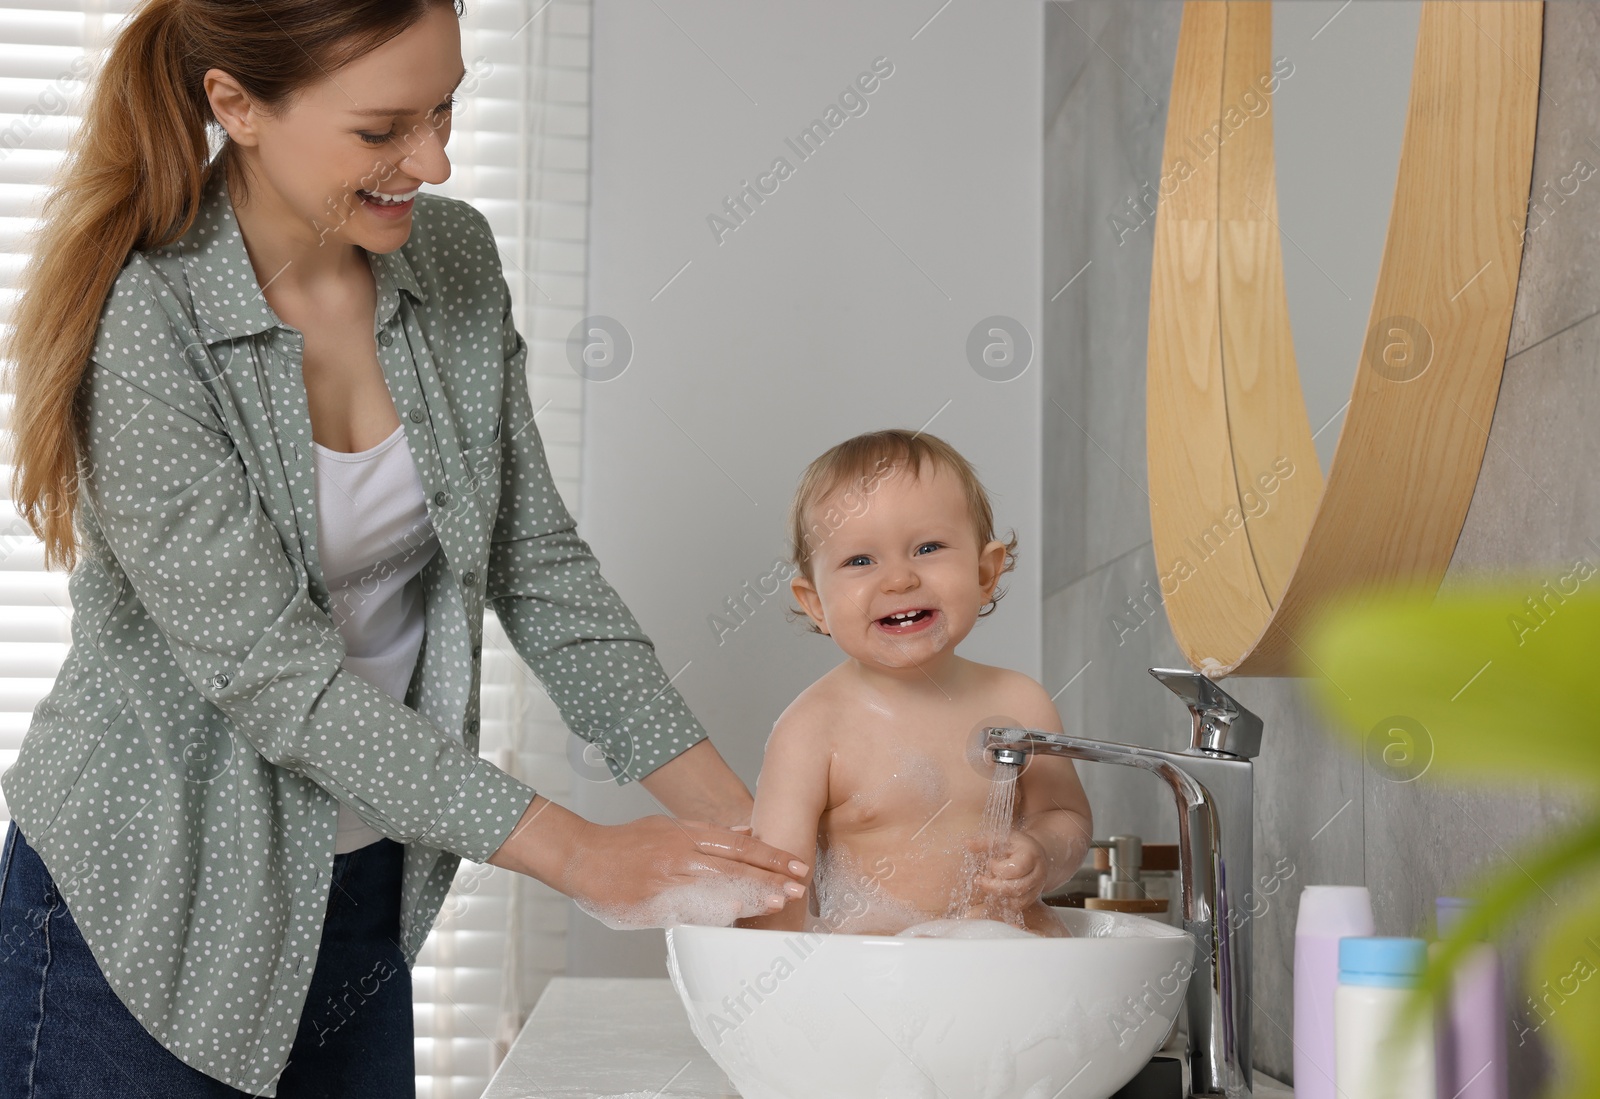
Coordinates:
<point>700,785</point>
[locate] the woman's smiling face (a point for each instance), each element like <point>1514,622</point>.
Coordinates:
<point>379,123</point>
<point>903,579</point>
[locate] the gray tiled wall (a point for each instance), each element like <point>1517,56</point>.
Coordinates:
<point>1108,71</point>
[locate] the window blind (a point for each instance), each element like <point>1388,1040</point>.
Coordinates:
<point>519,153</point>
<point>46,49</point>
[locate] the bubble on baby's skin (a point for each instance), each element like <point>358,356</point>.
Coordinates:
<point>850,899</point>
<point>906,648</point>
<point>923,773</point>
<point>898,656</point>
<point>918,771</point>
<point>711,904</point>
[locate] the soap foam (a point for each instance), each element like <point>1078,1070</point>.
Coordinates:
<point>964,929</point>
<point>852,901</point>
<point>711,904</point>
<point>938,633</point>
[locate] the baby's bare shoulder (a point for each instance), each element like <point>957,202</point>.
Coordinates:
<point>807,719</point>
<point>1019,696</point>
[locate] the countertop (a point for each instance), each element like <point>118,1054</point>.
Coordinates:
<point>625,1038</point>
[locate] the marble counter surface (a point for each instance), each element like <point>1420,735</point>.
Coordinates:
<point>624,1038</point>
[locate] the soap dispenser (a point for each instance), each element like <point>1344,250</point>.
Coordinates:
<point>1135,876</point>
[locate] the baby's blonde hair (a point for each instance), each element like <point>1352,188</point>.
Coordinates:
<point>862,463</point>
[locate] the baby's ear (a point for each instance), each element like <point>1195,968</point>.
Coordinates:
<point>991,562</point>
<point>806,593</point>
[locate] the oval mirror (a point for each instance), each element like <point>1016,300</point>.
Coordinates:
<point>1249,536</point>
<point>1337,120</point>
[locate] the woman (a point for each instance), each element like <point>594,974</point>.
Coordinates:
<point>239,809</point>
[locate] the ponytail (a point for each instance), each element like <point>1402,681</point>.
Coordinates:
<point>132,179</point>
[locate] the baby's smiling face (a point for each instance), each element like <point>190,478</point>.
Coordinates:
<point>913,548</point>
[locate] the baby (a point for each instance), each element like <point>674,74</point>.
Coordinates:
<point>878,765</point>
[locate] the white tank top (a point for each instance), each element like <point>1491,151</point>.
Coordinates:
<point>374,538</point>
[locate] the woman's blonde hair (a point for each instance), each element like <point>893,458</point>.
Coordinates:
<point>858,466</point>
<point>133,177</point>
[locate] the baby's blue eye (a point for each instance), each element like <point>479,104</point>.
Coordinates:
<point>858,557</point>
<point>925,545</point>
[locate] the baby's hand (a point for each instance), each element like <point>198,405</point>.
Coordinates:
<point>1016,872</point>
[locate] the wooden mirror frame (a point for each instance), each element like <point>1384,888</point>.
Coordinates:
<point>1247,540</point>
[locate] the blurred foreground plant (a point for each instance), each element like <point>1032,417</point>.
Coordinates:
<point>1501,680</point>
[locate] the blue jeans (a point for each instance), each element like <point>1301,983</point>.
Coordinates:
<point>64,1034</point>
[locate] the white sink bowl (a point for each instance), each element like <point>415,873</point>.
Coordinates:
<point>789,1015</point>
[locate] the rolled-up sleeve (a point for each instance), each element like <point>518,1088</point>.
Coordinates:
<point>172,498</point>
<point>564,619</point>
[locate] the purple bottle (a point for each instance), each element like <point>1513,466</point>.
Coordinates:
<point>1327,914</point>
<point>1473,1057</point>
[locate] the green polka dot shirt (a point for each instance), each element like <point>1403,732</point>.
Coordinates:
<point>180,779</point>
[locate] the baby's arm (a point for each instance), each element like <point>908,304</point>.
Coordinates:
<point>1052,807</point>
<point>791,794</point>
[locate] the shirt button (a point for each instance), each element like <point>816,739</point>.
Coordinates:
<point>220,680</point>
<point>477,651</point>
<point>469,578</point>
<point>472,725</point>
<point>385,339</point>
<point>441,498</point>
<point>416,415</point>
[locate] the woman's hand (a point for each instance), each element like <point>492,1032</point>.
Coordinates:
<point>651,872</point>
<point>657,871</point>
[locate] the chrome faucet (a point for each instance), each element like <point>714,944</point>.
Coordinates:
<point>1212,780</point>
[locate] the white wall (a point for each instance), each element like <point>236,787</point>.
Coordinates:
<point>842,305</point>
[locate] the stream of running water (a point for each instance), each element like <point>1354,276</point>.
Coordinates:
<point>998,813</point>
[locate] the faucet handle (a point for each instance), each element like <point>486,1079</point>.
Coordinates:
<point>1221,724</point>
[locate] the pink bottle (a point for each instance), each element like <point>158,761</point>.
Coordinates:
<point>1328,913</point>
<point>1473,1050</point>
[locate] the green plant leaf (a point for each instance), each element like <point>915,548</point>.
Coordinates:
<point>1502,897</point>
<point>1494,679</point>
<point>1564,980</point>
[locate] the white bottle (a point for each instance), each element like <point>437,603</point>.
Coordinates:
<point>1373,1058</point>
<point>1327,914</point>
